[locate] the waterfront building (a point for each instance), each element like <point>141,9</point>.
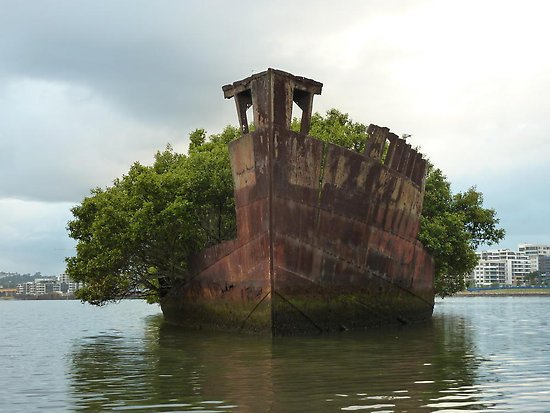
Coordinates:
<point>45,286</point>
<point>500,267</point>
<point>27,288</point>
<point>534,249</point>
<point>67,285</point>
<point>539,255</point>
<point>543,264</point>
<point>487,273</point>
<point>62,284</point>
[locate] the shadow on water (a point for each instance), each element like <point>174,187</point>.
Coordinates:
<point>418,368</point>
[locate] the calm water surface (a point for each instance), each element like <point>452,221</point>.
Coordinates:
<point>478,354</point>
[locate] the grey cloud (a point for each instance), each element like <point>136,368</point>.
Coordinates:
<point>162,61</point>
<point>34,237</point>
<point>86,88</point>
<point>157,62</point>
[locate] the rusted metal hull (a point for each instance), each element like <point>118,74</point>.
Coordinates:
<point>326,241</point>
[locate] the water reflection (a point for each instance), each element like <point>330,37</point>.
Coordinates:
<point>392,370</point>
<point>424,368</point>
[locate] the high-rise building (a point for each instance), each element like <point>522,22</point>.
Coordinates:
<point>62,284</point>
<point>543,264</point>
<point>534,249</point>
<point>500,267</point>
<point>539,255</point>
<point>27,288</point>
<point>67,285</point>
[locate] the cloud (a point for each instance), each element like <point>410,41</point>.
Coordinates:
<point>33,236</point>
<point>88,88</point>
<point>157,62</point>
<point>59,140</point>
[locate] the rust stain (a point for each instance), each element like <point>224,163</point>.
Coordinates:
<point>326,237</point>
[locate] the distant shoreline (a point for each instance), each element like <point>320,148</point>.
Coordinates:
<point>505,292</point>
<point>38,297</point>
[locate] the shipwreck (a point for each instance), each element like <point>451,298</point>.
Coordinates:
<point>326,237</point>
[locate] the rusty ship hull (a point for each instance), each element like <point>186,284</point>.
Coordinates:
<point>326,237</point>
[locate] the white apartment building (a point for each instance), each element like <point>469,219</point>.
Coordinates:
<point>26,288</point>
<point>487,273</point>
<point>534,249</point>
<point>504,254</point>
<point>67,285</point>
<point>500,267</point>
<point>539,255</point>
<point>40,286</point>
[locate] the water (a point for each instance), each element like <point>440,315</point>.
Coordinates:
<point>478,354</point>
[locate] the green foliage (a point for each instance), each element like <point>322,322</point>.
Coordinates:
<point>336,127</point>
<point>10,280</point>
<point>480,222</point>
<point>536,278</point>
<point>197,138</point>
<point>138,234</point>
<point>451,228</point>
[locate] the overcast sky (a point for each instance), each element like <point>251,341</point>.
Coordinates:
<point>89,87</point>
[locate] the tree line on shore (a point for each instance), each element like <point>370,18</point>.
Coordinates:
<point>12,279</point>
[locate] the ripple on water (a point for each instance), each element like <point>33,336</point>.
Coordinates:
<point>472,357</point>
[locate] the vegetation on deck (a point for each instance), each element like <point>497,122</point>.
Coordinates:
<point>139,233</point>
